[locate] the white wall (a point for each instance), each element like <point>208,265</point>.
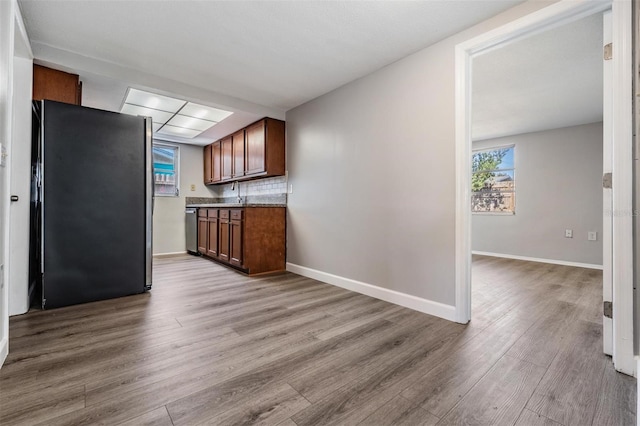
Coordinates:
<point>558,181</point>
<point>373,172</point>
<point>168,214</point>
<point>20,158</point>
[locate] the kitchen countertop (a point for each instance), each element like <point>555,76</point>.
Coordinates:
<point>236,205</point>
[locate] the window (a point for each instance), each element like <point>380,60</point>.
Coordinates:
<point>166,160</point>
<point>493,181</point>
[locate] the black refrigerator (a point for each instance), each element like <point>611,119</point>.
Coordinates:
<point>91,205</point>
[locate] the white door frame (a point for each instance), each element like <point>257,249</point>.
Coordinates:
<point>7,22</point>
<point>557,14</point>
<point>607,193</point>
<point>19,171</point>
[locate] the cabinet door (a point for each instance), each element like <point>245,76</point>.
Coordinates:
<point>223,235</point>
<point>208,172</point>
<point>227,158</point>
<point>236,242</point>
<point>212,245</point>
<point>56,85</point>
<point>238,154</point>
<point>202,235</point>
<point>255,146</point>
<point>216,162</point>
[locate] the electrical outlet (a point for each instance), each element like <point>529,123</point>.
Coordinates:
<point>568,233</point>
<point>592,236</point>
<point>193,186</point>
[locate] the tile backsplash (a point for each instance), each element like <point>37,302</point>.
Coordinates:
<point>269,186</point>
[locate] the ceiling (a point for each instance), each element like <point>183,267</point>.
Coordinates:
<point>255,58</point>
<point>547,81</point>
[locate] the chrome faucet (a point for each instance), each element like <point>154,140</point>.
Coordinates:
<point>233,186</point>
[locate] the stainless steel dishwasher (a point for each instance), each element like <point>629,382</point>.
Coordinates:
<point>191,229</point>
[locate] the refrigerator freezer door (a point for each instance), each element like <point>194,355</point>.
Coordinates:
<point>94,186</point>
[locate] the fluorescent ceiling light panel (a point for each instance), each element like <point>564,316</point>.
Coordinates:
<point>158,116</point>
<point>204,112</point>
<point>151,100</point>
<point>172,116</point>
<point>179,131</point>
<point>190,122</point>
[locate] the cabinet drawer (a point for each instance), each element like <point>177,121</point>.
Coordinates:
<point>212,213</point>
<point>202,212</point>
<point>236,214</point>
<point>224,214</point>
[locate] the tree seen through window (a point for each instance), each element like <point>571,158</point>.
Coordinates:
<point>493,181</point>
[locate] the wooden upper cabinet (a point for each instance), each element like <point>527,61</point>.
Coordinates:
<point>56,85</point>
<point>208,170</point>
<point>238,154</point>
<point>257,151</point>
<point>226,145</point>
<point>265,148</point>
<point>256,148</point>
<point>216,162</point>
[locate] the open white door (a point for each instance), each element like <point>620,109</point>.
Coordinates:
<point>607,196</point>
<point>622,192</point>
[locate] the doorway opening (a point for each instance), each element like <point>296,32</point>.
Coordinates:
<point>494,200</point>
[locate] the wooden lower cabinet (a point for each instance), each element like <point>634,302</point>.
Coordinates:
<point>235,240</point>
<point>212,233</point>
<point>223,236</point>
<point>251,239</point>
<point>203,232</point>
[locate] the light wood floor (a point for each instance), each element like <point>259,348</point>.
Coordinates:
<point>210,346</point>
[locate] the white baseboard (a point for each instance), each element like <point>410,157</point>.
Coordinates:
<point>171,254</point>
<point>539,260</point>
<point>426,306</point>
<point>4,350</point>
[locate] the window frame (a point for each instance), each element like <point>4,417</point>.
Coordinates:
<point>176,166</point>
<point>512,170</point>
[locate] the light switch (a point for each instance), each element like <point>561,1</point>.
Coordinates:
<point>592,236</point>
<point>568,233</point>
<point>193,186</point>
